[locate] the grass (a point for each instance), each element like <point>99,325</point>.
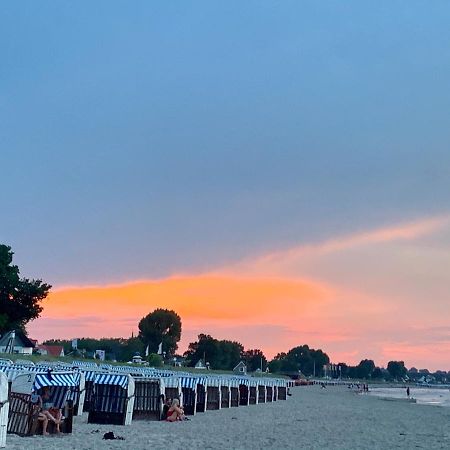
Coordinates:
<point>68,359</point>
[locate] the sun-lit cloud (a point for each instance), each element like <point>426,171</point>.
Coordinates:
<point>354,296</point>
<point>277,261</point>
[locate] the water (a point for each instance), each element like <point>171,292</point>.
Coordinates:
<point>423,395</point>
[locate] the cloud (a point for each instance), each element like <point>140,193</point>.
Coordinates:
<point>275,262</point>
<point>354,296</point>
<point>202,301</point>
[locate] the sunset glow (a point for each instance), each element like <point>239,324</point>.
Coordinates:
<point>275,312</point>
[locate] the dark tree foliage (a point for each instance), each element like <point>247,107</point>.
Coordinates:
<point>20,298</point>
<point>377,374</point>
<point>221,355</point>
<point>155,360</point>
<point>365,368</point>
<point>161,325</point>
<point>304,359</point>
<point>396,369</point>
<point>255,359</point>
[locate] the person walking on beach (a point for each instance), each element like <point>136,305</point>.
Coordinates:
<point>407,392</point>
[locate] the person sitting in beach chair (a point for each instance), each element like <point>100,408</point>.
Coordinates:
<point>48,412</point>
<point>175,412</point>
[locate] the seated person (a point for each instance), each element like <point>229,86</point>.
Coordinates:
<point>165,409</point>
<point>48,412</point>
<point>175,412</point>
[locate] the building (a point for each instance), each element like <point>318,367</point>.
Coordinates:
<point>200,364</point>
<point>16,342</point>
<point>51,350</point>
<point>241,368</point>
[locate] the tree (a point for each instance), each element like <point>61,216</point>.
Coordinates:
<point>221,355</point>
<point>303,359</point>
<point>20,298</point>
<point>377,373</point>
<point>206,347</point>
<point>230,353</point>
<point>254,359</point>
<point>161,325</point>
<point>396,369</point>
<point>154,360</point>
<point>365,368</point>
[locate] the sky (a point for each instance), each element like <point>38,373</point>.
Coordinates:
<point>275,171</point>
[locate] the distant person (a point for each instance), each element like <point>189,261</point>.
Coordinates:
<point>407,392</point>
<point>175,412</point>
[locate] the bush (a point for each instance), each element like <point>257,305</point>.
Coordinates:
<point>154,360</point>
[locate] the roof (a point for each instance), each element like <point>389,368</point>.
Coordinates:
<point>239,365</point>
<point>20,340</point>
<point>52,350</point>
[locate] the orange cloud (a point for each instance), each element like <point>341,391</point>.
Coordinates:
<point>199,300</point>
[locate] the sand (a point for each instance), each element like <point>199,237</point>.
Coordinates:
<point>311,419</point>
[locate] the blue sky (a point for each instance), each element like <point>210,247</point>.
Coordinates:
<point>142,139</point>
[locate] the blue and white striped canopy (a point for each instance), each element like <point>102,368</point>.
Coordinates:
<point>171,382</point>
<point>188,382</point>
<point>244,381</point>
<point>55,379</point>
<point>112,379</point>
<point>216,382</point>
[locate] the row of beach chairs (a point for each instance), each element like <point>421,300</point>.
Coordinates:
<point>119,394</point>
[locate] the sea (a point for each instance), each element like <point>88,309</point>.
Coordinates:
<point>422,395</point>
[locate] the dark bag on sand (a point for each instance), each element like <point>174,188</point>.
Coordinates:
<point>110,435</point>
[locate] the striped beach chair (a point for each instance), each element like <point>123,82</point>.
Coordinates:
<point>113,399</point>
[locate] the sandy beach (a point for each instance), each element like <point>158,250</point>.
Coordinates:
<point>312,418</point>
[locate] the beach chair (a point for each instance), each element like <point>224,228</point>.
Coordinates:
<point>189,393</point>
<point>225,394</point>
<point>213,392</point>
<point>234,393</point>
<point>282,390</point>
<point>24,413</point>
<point>269,392</point>
<point>243,392</point>
<point>253,392</point>
<point>4,408</point>
<point>89,376</point>
<point>202,395</point>
<point>261,392</point>
<point>113,399</point>
<point>172,389</point>
<point>148,398</point>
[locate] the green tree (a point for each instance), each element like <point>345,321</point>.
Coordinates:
<point>161,325</point>
<point>154,360</point>
<point>206,347</point>
<point>230,353</point>
<point>20,298</point>
<point>254,359</point>
<point>365,368</point>
<point>377,373</point>
<point>396,369</point>
<point>275,366</point>
<point>221,355</point>
<point>303,359</point>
